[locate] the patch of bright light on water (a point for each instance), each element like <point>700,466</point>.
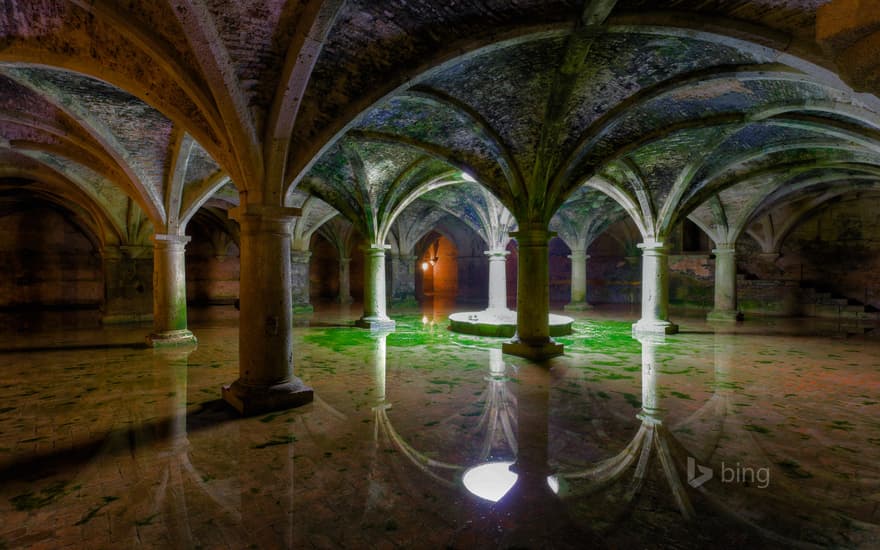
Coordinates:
<point>491,481</point>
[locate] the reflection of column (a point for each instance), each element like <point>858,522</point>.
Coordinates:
<point>344,281</point>
<point>379,361</point>
<point>169,292</point>
<point>403,280</point>
<point>655,291</point>
<point>651,412</point>
<point>127,285</point>
<point>299,280</point>
<point>497,279</point>
<point>266,381</point>
<point>375,313</point>
<point>532,338</point>
<point>725,285</point>
<point>578,281</point>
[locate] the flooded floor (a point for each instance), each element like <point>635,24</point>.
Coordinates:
<point>763,435</point>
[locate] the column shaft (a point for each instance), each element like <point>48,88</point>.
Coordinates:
<point>655,291</point>
<point>299,279</point>
<point>169,292</point>
<point>725,285</point>
<point>128,284</point>
<point>497,279</point>
<point>344,281</point>
<point>403,280</point>
<point>578,281</point>
<point>375,312</point>
<point>532,337</point>
<point>266,381</point>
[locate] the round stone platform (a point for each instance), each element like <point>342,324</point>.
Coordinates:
<point>501,323</point>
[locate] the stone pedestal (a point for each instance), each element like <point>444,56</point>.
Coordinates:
<point>375,312</point>
<point>497,279</point>
<point>169,292</point>
<point>655,291</point>
<point>403,280</point>
<point>725,285</point>
<point>266,381</point>
<point>578,282</point>
<point>128,284</point>
<point>344,281</point>
<point>532,339</point>
<point>299,281</point>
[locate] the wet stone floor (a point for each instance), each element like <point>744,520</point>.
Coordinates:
<point>766,435</point>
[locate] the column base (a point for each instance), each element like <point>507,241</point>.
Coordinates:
<point>731,316</point>
<point>171,338</point>
<point>376,323</point>
<point>535,352</point>
<point>126,318</point>
<point>303,308</point>
<point>577,306</point>
<point>654,327</point>
<point>251,400</point>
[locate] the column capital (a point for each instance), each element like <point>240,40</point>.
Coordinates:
<point>653,247</point>
<point>724,248</point>
<point>532,236</point>
<point>344,261</point>
<point>374,249</point>
<point>497,253</point>
<point>300,256</point>
<point>578,255</point>
<point>161,240</point>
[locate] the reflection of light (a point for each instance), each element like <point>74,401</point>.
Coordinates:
<point>424,319</point>
<point>493,480</point>
<point>490,481</point>
<point>424,266</point>
<point>467,177</point>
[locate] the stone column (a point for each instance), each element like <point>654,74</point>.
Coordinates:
<point>725,285</point>
<point>403,280</point>
<point>578,281</point>
<point>266,381</point>
<point>655,291</point>
<point>532,338</point>
<point>299,280</point>
<point>497,279</point>
<point>169,292</point>
<point>344,281</point>
<point>375,313</point>
<point>128,290</point>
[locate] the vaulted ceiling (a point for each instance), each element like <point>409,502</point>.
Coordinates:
<point>569,113</point>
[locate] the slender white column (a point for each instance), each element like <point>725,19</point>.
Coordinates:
<point>169,292</point>
<point>299,278</point>
<point>266,381</point>
<point>578,281</point>
<point>497,279</point>
<point>344,281</point>
<point>655,291</point>
<point>532,338</point>
<point>375,306</point>
<point>725,285</point>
